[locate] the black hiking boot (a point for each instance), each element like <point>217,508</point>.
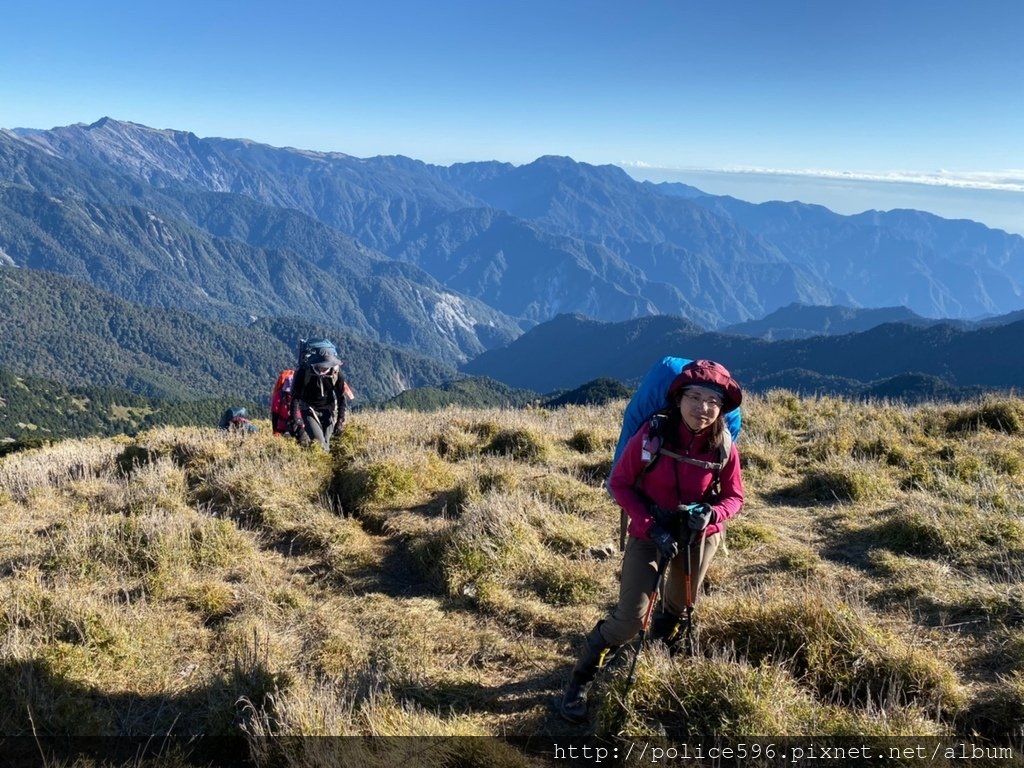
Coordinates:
<point>573,706</point>
<point>672,631</point>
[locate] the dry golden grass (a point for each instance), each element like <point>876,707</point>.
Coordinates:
<point>433,576</point>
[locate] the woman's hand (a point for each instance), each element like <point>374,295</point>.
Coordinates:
<point>700,516</point>
<point>667,546</point>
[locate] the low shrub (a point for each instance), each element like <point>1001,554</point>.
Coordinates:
<point>519,445</point>
<point>998,415</point>
<point>854,483</point>
<point>840,655</point>
<point>744,534</point>
<point>588,441</point>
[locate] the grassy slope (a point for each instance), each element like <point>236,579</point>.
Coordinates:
<point>210,582</point>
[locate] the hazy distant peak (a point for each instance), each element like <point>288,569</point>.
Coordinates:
<point>567,164</point>
<point>563,161</point>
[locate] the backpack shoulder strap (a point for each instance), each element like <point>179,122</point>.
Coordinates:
<point>716,467</point>
<point>651,451</point>
<point>724,450</point>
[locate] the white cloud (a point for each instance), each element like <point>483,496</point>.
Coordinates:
<point>1005,181</point>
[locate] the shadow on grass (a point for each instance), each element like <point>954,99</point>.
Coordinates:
<point>533,700</point>
<point>47,719</point>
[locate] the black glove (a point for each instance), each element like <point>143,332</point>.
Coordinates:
<point>662,517</point>
<point>667,546</point>
<point>699,516</point>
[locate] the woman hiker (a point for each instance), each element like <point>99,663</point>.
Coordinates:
<point>677,493</point>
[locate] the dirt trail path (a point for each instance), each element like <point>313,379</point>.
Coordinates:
<point>519,696</point>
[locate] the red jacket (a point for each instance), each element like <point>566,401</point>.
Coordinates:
<point>659,485</point>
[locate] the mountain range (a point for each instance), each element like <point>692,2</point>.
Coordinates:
<point>943,358</point>
<point>550,237</point>
<point>438,267</point>
<point>801,321</point>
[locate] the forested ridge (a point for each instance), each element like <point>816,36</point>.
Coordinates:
<point>75,336</point>
<point>36,410</point>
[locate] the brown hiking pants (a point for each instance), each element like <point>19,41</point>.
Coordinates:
<point>639,572</point>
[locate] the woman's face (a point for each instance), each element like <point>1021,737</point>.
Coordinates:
<point>700,407</point>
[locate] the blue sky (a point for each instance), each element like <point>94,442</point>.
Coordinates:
<point>885,97</point>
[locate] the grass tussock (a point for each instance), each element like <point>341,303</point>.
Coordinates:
<point>433,573</point>
<point>999,415</point>
<point>590,441</point>
<point>842,481</point>
<point>520,445</point>
<point>837,652</point>
<point>743,534</point>
<point>673,703</point>
<point>506,556</point>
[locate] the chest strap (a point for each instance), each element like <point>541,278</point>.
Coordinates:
<point>713,465</point>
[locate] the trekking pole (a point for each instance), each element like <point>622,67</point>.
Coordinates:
<point>662,567</point>
<point>688,582</point>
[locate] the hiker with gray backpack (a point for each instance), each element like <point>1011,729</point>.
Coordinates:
<point>678,480</point>
<point>236,419</point>
<point>319,394</point>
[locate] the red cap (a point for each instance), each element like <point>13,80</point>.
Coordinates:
<point>708,373</point>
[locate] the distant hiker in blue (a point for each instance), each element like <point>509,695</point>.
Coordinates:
<point>318,399</point>
<point>236,419</point>
<point>678,480</point>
